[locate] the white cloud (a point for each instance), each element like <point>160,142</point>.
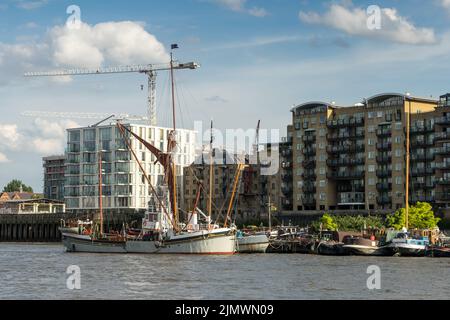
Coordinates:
<point>43,137</point>
<point>3,158</point>
<point>31,5</point>
<point>353,21</point>
<point>110,43</point>
<point>445,4</point>
<point>240,6</point>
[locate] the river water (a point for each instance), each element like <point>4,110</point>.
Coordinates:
<point>38,271</point>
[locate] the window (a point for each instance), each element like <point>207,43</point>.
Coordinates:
<point>371,129</point>
<point>370,142</point>
<point>398,139</point>
<point>398,126</point>
<point>323,196</point>
<point>371,182</point>
<point>398,153</point>
<point>398,167</point>
<point>371,168</point>
<point>322,171</point>
<point>371,155</point>
<point>322,183</point>
<point>398,180</point>
<point>380,114</point>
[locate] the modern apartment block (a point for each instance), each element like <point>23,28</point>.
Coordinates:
<point>54,179</point>
<point>255,187</point>
<point>125,188</point>
<point>354,158</point>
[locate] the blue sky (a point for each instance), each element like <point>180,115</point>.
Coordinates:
<point>258,59</point>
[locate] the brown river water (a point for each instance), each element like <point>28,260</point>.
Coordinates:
<point>38,271</point>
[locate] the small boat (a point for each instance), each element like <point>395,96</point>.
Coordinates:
<point>331,248</point>
<point>438,252</point>
<point>77,227</point>
<point>405,245</point>
<point>252,243</point>
<point>360,246</point>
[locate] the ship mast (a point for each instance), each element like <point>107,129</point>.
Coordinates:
<point>211,173</point>
<point>172,143</point>
<point>100,191</point>
<point>408,155</point>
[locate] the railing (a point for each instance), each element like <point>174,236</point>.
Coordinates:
<point>345,123</point>
<point>442,151</point>
<point>309,163</point>
<point>384,200</point>
<point>346,175</point>
<point>443,181</point>
<point>421,130</point>
<point>347,135</point>
<point>309,151</point>
<point>439,136</point>
<point>384,159</point>
<point>384,186</point>
<point>346,149</point>
<point>442,121</point>
<point>345,162</point>
<point>384,146</point>
<point>309,176</point>
<point>384,132</point>
<point>384,173</point>
<point>309,139</point>
<point>443,196</point>
<point>422,157</point>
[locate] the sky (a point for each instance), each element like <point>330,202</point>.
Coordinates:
<point>258,59</point>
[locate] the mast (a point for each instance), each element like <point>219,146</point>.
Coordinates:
<point>270,214</point>
<point>211,173</point>
<point>408,130</point>
<point>100,191</point>
<point>174,176</point>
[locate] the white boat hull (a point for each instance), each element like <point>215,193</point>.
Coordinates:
<point>252,244</point>
<point>408,249</point>
<point>202,242</point>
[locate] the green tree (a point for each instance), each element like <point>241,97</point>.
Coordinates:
<point>14,186</point>
<point>421,216</point>
<point>328,223</point>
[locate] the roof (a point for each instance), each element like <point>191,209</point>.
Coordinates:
<point>313,104</point>
<point>384,96</point>
<point>42,200</point>
<point>20,195</point>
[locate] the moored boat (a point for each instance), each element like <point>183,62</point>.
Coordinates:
<point>405,245</point>
<point>252,243</point>
<point>365,247</point>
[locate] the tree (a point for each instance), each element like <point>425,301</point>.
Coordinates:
<point>14,186</point>
<point>328,223</point>
<point>421,216</point>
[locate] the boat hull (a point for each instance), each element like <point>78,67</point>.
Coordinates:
<point>438,252</point>
<point>408,250</point>
<point>205,243</point>
<point>328,249</point>
<point>80,243</point>
<point>360,250</point>
<point>252,244</point>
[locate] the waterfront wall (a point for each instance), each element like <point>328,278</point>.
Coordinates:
<point>45,227</point>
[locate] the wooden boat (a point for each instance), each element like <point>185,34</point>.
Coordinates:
<point>438,252</point>
<point>360,246</point>
<point>404,245</point>
<point>331,248</point>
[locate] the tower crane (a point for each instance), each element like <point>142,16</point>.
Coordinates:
<point>150,70</point>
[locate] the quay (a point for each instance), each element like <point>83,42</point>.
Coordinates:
<point>45,227</point>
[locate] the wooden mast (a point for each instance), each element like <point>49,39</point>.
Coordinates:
<point>100,191</point>
<point>408,130</point>
<point>174,176</point>
<point>211,174</point>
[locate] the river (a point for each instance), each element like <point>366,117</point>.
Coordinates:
<point>38,271</point>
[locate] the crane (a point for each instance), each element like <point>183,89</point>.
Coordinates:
<point>150,70</point>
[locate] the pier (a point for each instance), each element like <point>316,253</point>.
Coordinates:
<point>45,227</point>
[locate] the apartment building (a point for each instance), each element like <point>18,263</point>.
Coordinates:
<point>354,158</point>
<point>125,188</point>
<point>54,177</point>
<point>255,187</point>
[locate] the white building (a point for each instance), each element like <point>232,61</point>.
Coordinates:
<point>125,188</point>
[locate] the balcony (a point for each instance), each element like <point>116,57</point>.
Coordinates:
<point>443,166</point>
<point>421,198</point>
<point>421,143</point>
<point>422,157</point>
<point>348,175</point>
<point>309,189</point>
<point>351,122</point>
<point>351,188</point>
<point>442,121</point>
<point>309,139</point>
<point>347,135</point>
<point>384,146</point>
<point>287,177</point>
<point>443,151</point>
<point>443,182</point>
<point>286,152</point>
<point>287,191</point>
<point>421,172</point>
<point>349,198</point>
<point>286,165</point>
<point>309,201</point>
<point>443,196</point>
<point>345,149</point>
<point>384,133</point>
<point>441,136</point>
<point>384,173</point>
<point>421,130</point>
<point>309,175</point>
<point>384,159</point>
<point>309,151</point>
<point>309,163</point>
<point>345,162</point>
<point>383,187</point>
<point>384,201</point>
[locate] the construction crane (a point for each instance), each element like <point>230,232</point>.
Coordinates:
<point>150,70</point>
<point>81,115</point>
